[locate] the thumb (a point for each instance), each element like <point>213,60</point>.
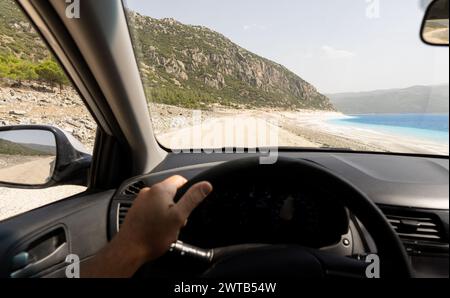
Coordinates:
<point>192,198</point>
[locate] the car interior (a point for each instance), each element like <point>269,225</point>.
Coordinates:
<point>315,212</point>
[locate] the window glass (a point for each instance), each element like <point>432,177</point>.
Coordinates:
<point>347,74</point>
<point>35,90</point>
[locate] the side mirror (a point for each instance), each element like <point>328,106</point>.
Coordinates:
<point>34,156</point>
<point>435,23</point>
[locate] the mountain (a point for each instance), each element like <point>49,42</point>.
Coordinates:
<point>182,65</point>
<point>17,36</point>
<point>12,148</point>
<point>417,99</point>
<point>195,66</point>
<point>41,149</point>
<point>23,54</point>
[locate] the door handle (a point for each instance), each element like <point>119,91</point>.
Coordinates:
<point>57,256</point>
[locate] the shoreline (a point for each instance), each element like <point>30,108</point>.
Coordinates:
<point>300,128</point>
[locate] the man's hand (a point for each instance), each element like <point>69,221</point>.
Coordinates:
<point>150,227</point>
<point>153,223</point>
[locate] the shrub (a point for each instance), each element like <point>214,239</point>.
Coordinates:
<point>16,69</point>
<point>49,71</point>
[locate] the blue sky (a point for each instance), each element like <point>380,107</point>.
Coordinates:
<point>338,46</point>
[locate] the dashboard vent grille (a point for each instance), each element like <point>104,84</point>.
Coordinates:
<point>416,228</point>
<point>134,189</point>
<point>122,210</point>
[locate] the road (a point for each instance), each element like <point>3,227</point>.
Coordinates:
<point>33,170</point>
<point>436,31</point>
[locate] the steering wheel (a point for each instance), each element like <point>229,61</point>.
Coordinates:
<point>291,260</point>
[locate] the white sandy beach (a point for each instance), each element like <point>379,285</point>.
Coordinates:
<point>223,127</point>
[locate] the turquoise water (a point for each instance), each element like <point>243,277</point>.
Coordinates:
<point>433,127</point>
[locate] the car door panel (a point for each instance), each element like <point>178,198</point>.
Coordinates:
<point>35,244</point>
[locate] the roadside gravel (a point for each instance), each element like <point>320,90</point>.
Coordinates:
<point>17,201</point>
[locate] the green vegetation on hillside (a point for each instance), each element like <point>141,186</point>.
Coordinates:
<point>183,65</point>
<point>194,67</point>
<point>11,148</point>
<point>17,36</point>
<point>23,55</point>
<point>47,70</point>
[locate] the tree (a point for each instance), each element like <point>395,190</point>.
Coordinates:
<point>4,69</point>
<point>21,71</point>
<point>49,71</point>
<point>16,69</point>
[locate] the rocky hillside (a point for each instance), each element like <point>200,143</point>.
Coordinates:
<point>17,36</point>
<point>33,103</point>
<point>23,54</point>
<point>27,95</point>
<point>194,66</point>
<point>187,66</point>
<point>11,148</point>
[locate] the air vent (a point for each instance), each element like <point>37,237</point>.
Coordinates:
<point>122,210</point>
<point>416,228</point>
<point>134,189</point>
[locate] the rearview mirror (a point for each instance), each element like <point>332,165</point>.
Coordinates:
<point>435,23</point>
<point>40,157</point>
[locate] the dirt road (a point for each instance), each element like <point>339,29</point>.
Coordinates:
<point>29,170</point>
<point>35,171</point>
<point>436,31</point>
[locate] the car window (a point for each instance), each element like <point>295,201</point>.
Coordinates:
<point>35,90</point>
<point>346,75</point>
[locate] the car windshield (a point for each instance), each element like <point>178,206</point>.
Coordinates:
<point>350,74</point>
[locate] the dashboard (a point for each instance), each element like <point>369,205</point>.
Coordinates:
<point>412,192</point>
